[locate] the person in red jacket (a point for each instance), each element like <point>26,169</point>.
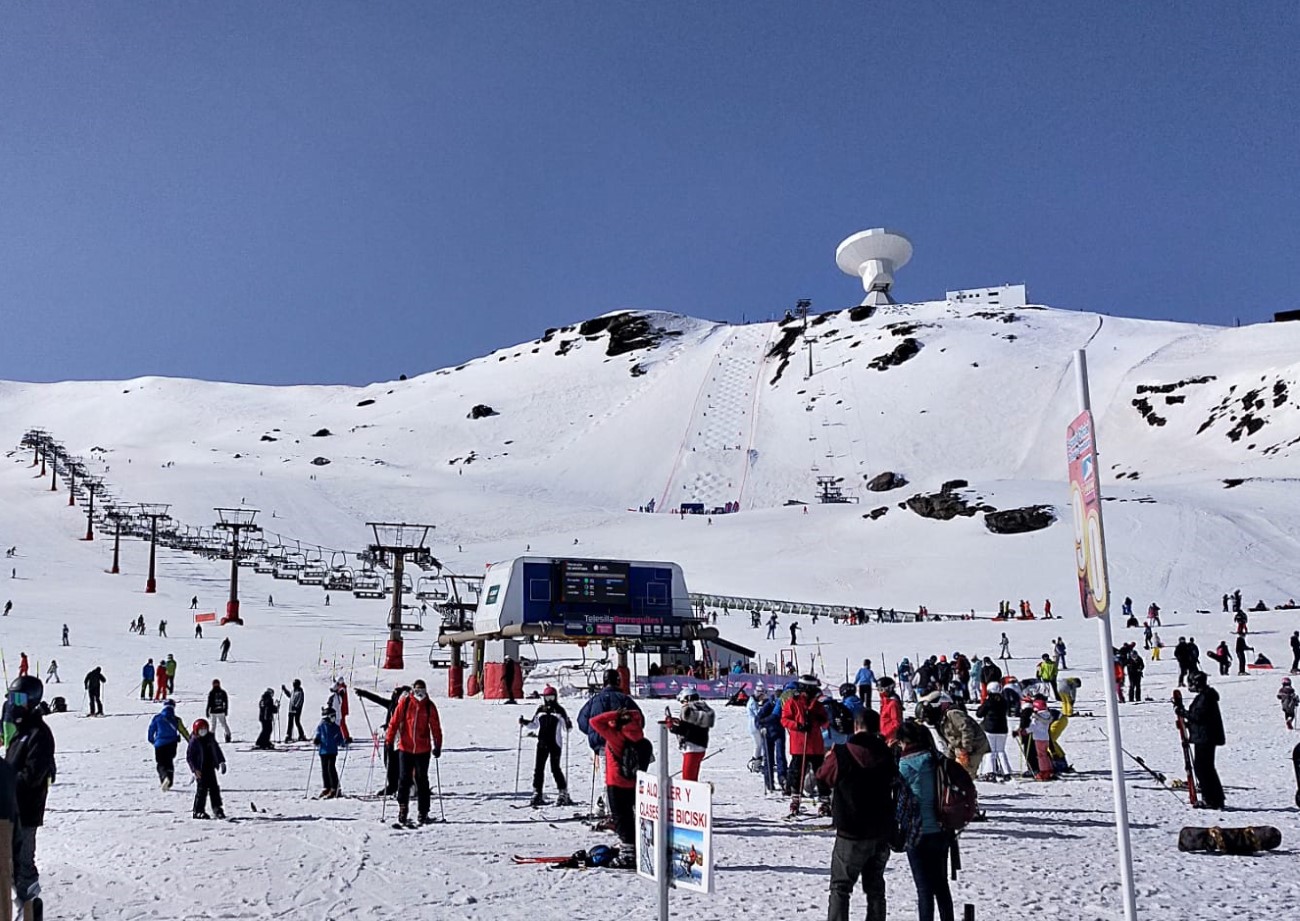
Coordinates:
<point>620,728</point>
<point>803,716</point>
<point>415,732</point>
<point>891,710</point>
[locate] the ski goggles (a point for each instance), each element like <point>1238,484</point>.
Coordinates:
<point>19,698</point>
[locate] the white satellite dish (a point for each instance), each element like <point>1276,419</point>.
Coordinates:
<point>874,255</point>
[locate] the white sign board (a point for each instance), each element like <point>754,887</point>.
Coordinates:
<point>690,832</point>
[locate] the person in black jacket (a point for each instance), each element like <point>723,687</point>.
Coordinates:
<point>217,708</point>
<point>267,708</point>
<point>1241,654</point>
<point>861,776</point>
<point>1135,667</point>
<point>1181,657</point>
<point>390,756</point>
<point>204,758</point>
<point>1205,732</point>
<point>296,700</point>
<point>93,684</point>
<point>31,756</point>
<point>993,720</point>
<point>1295,653</point>
<point>550,723</point>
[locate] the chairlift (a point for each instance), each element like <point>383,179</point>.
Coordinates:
<point>431,588</point>
<point>339,579</point>
<point>313,573</point>
<point>368,584</point>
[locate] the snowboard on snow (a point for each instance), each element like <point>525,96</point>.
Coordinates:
<point>1217,840</point>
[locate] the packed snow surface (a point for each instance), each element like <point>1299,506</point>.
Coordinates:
<point>683,410</point>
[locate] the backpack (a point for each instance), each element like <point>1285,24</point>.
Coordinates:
<point>841,717</point>
<point>698,713</point>
<point>636,756</point>
<point>958,801</point>
<point>907,818</point>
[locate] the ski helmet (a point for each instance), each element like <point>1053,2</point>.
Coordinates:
<point>686,694</point>
<point>548,693</point>
<point>810,683</point>
<point>1196,681</point>
<point>847,689</point>
<point>199,726</point>
<point>1286,682</point>
<point>169,704</point>
<point>994,688</point>
<point>25,694</point>
<point>327,713</point>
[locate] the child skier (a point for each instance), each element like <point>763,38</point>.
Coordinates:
<point>692,727</point>
<point>204,758</point>
<point>550,723</point>
<point>1287,698</point>
<point>327,740</point>
<point>165,731</point>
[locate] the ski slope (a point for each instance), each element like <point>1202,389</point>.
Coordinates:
<point>577,440</point>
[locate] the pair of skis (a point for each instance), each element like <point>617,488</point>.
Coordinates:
<point>1180,717</point>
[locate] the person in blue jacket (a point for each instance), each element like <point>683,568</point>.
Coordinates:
<point>769,724</point>
<point>608,699</point>
<point>866,682</point>
<point>918,765</point>
<point>146,680</point>
<point>165,731</point>
<point>327,740</point>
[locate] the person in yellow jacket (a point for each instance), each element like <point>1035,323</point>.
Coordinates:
<point>1047,672</point>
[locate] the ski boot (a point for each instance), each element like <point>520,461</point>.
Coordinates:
<point>537,800</point>
<point>425,819</point>
<point>562,799</point>
<point>794,808</point>
<point>824,810</point>
<point>218,813</point>
<point>166,784</point>
<point>202,815</point>
<point>403,816</point>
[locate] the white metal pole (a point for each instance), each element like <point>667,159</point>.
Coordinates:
<point>665,803</point>
<point>1112,691</point>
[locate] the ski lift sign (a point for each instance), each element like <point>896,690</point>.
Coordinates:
<point>1085,498</point>
<point>689,828</point>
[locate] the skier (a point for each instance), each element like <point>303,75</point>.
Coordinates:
<point>550,723</point>
<point>30,755</point>
<point>95,680</point>
<point>607,699</point>
<point>198,631</point>
<point>204,757</point>
<point>170,667</point>
<point>1135,668</point>
<point>1040,728</point>
<point>339,704</point>
<point>65,635</point>
<point>891,710</point>
<point>52,673</point>
<point>217,708</point>
<point>162,628</point>
<point>225,648</point>
<point>194,603</point>
<point>1005,653</point>
<point>692,727</point>
<point>22,664</point>
<point>416,733</point>
<point>1287,698</point>
<point>993,720</point>
<point>9,606</point>
<point>296,698</point>
<point>165,731</point>
<point>1205,732</point>
<point>794,633</point>
<point>1181,656</point>
<point>390,754</point>
<point>771,626</point>
<point>1047,672</point>
<point>1241,653</point>
<point>267,708</point>
<point>620,729</point>
<point>918,767</point>
<point>803,716</point>
<point>1295,652</point>
<point>1146,635</point>
<point>769,724</point>
<point>146,680</point>
<point>1060,655</point>
<point>160,680</point>
<point>861,775</point>
<point>865,680</point>
<point>327,740</point>
<point>752,706</point>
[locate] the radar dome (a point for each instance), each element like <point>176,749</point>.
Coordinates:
<point>874,255</point>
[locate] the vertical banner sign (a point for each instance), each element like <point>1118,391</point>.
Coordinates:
<point>689,828</point>
<point>1089,545</point>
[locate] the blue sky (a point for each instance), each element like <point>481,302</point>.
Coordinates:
<point>342,192</point>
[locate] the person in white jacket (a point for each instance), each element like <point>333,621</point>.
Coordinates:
<point>1040,730</point>
<point>755,703</point>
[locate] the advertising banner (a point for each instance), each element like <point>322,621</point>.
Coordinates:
<point>689,828</point>
<point>205,618</point>
<point>1085,499</point>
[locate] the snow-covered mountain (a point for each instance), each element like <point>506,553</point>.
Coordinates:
<point>559,437</point>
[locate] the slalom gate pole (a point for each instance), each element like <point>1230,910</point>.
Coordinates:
<point>437,773</point>
<point>519,757</point>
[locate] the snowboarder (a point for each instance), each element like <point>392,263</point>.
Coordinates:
<point>296,699</point>
<point>267,708</point>
<point>551,724</point>
<point>95,680</point>
<point>52,673</point>
<point>30,755</point>
<point>146,680</point>
<point>165,731</point>
<point>327,740</point>
<point>692,727</point>
<point>1287,698</point>
<point>1222,656</point>
<point>204,757</point>
<point>416,733</point>
<point>225,648</point>
<point>1205,732</point>
<point>217,708</point>
<point>861,776</point>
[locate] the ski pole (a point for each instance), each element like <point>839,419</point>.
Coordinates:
<point>593,784</point>
<point>717,751</point>
<point>437,774</point>
<point>306,793</point>
<point>519,755</point>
